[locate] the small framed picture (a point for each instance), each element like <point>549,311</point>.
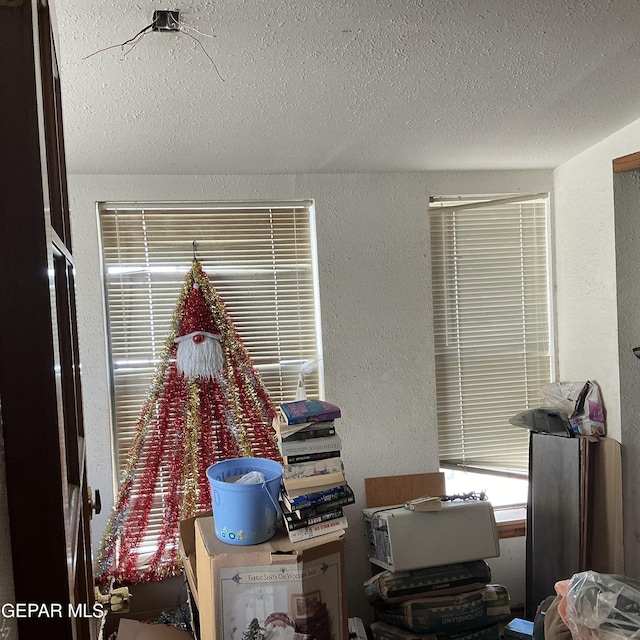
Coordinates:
<point>306,604</point>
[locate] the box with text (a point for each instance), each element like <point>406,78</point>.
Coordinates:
<point>247,591</point>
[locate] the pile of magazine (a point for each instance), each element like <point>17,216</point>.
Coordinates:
<point>315,488</point>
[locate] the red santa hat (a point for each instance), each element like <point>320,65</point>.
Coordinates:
<point>199,352</point>
<point>279,617</point>
<point>196,318</point>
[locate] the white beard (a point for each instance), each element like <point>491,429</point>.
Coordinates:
<point>199,360</point>
<point>277,632</point>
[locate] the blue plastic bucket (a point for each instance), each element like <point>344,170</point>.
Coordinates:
<point>245,513</point>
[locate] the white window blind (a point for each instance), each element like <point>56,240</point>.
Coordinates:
<point>492,326</point>
<point>261,260</point>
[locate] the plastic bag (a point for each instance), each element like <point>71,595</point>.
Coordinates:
<point>544,421</point>
<point>582,404</point>
<point>252,477</point>
<point>603,607</point>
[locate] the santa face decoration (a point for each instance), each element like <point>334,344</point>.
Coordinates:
<point>279,626</point>
<point>199,353</point>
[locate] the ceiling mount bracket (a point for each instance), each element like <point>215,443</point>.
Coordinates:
<point>164,20</point>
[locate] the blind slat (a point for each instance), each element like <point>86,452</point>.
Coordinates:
<point>491,325</point>
<point>261,260</point>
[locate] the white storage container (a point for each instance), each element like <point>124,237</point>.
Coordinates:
<point>400,539</point>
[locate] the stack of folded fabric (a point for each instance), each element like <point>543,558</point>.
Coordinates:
<point>453,601</point>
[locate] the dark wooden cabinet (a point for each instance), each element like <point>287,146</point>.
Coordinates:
<point>40,390</point>
<point>574,512</point>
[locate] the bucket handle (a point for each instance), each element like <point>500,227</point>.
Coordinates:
<point>275,504</point>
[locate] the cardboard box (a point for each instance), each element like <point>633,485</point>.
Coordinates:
<point>148,600</point>
<point>401,540</point>
<point>187,547</point>
<point>238,588</point>
<point>134,630</point>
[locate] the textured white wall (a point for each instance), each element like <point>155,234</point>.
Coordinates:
<point>373,245</point>
<point>374,270</point>
<point>509,568</point>
<point>588,236</point>
<point>585,277</point>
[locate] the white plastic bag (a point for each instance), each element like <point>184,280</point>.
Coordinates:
<point>581,403</point>
<point>603,607</point>
<point>252,477</point>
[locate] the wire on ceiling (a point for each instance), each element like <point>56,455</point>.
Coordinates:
<point>177,25</point>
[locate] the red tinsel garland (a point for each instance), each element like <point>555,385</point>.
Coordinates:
<point>186,425</point>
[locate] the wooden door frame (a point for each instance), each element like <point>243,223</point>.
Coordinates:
<point>627,163</point>
<point>627,296</point>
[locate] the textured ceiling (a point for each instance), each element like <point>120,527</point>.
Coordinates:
<point>345,86</point>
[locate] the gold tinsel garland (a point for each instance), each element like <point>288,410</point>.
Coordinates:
<point>185,425</point>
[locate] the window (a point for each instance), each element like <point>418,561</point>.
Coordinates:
<point>492,325</point>
<point>261,259</point>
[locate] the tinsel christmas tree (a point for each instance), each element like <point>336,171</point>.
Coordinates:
<point>207,403</point>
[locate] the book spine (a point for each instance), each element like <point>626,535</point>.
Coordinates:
<point>317,468</point>
<point>294,524</point>
<point>306,433</point>
<point>284,430</point>
<point>317,417</point>
<point>308,411</point>
<point>308,482</point>
<point>312,445</point>
<point>324,507</point>
<point>310,499</point>
<point>309,457</point>
<point>318,529</point>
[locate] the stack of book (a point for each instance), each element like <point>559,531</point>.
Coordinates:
<point>315,488</point>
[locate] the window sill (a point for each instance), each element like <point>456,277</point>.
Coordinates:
<point>511,523</point>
